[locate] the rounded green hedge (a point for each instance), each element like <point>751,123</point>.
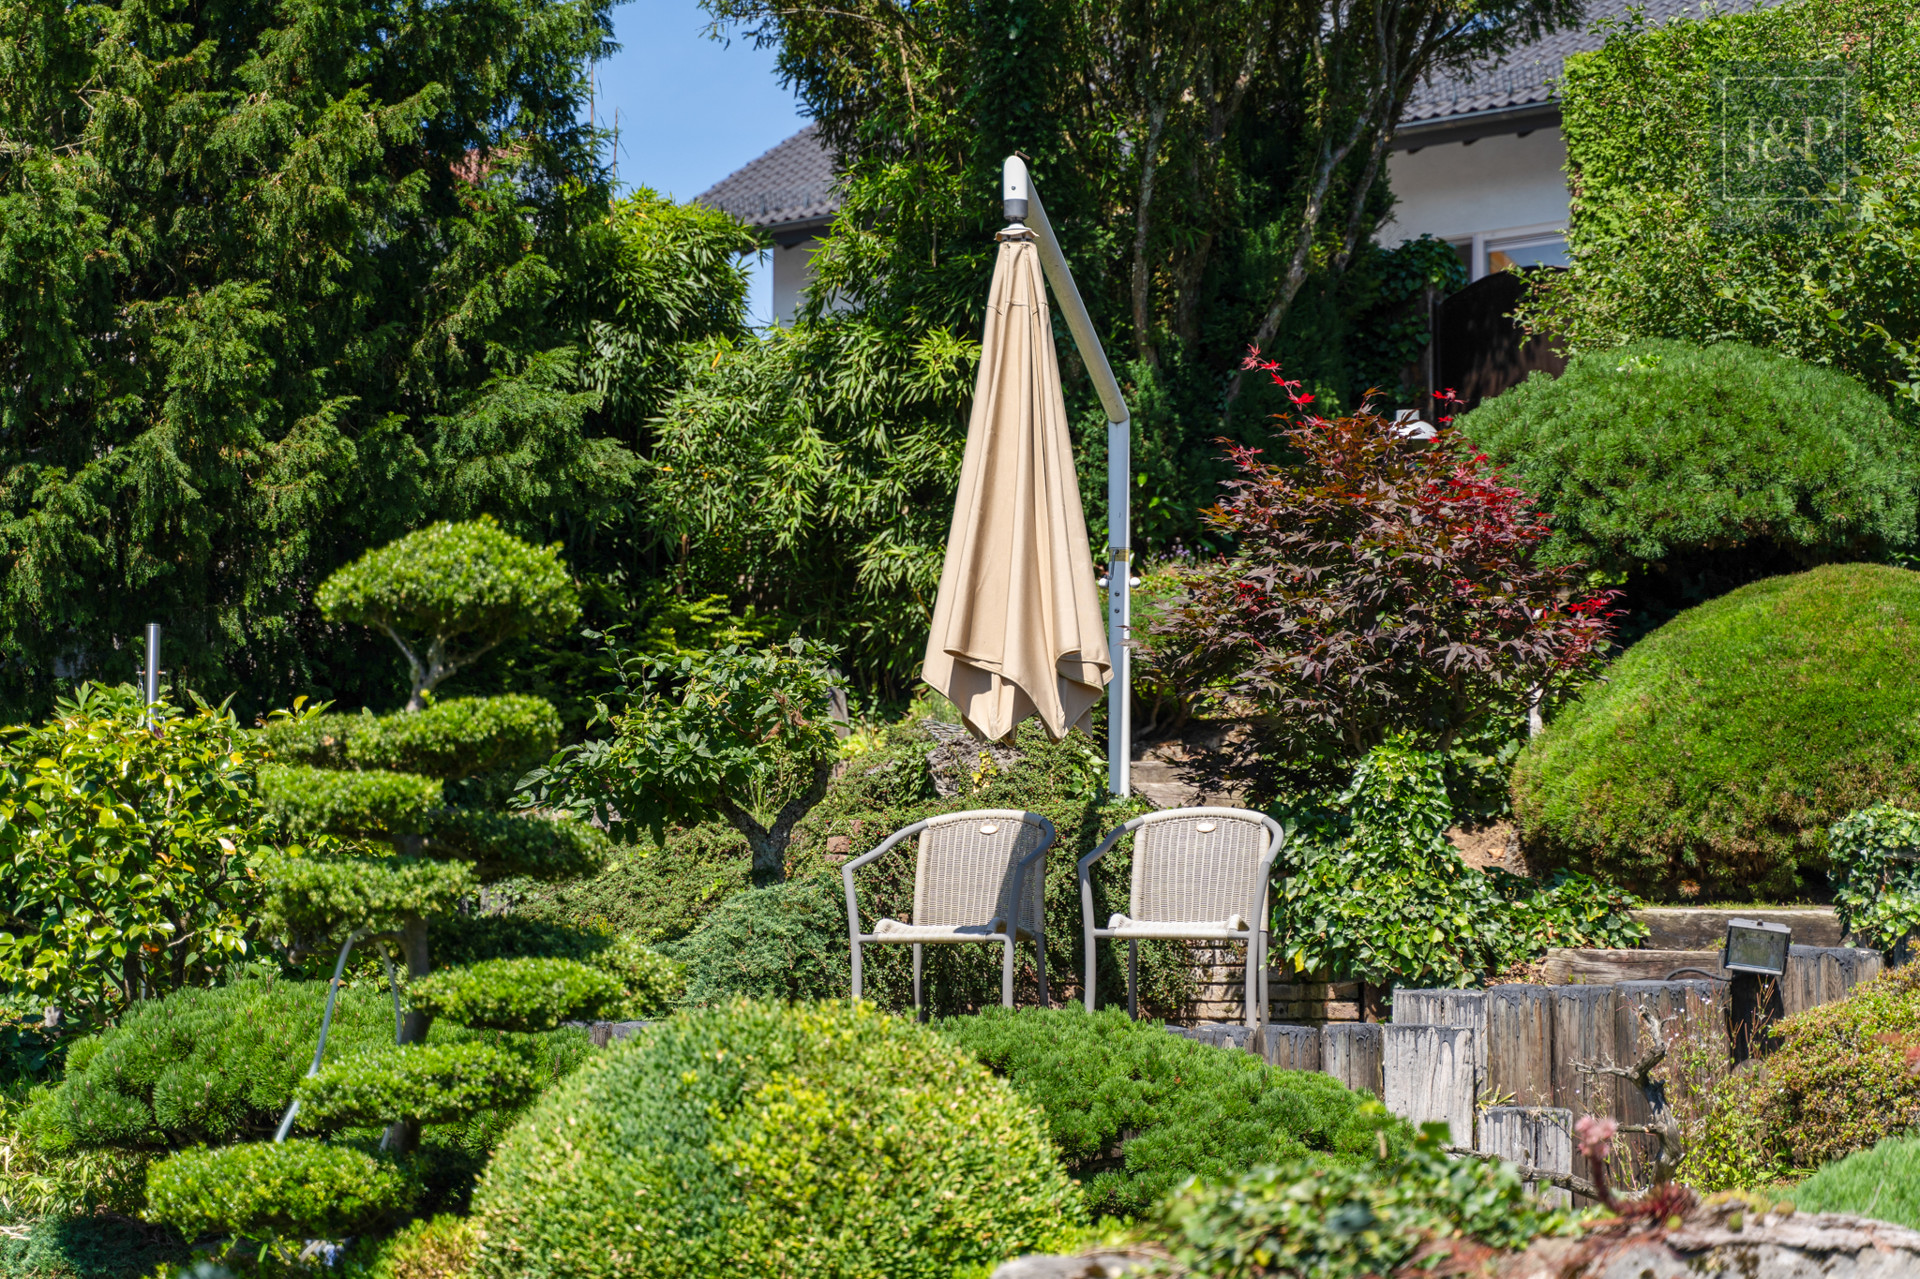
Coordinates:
<point>757,1139</point>
<point>267,1190</point>
<point>1662,448</point>
<point>1720,748</point>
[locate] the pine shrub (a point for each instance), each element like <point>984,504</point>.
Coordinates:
<point>265,1190</point>
<point>1134,1111</point>
<point>1654,452</point>
<point>1721,747</point>
<point>756,1139</point>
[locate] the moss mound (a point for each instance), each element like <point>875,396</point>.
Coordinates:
<point>758,1139</point>
<point>1721,747</point>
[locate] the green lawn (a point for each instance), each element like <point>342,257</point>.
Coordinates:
<point>1883,1183</point>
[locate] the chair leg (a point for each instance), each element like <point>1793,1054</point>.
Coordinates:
<point>919,957</point>
<point>1133,980</point>
<point>1253,981</point>
<point>1040,962</point>
<point>856,970</point>
<point>1092,991</point>
<point>1006,975</point>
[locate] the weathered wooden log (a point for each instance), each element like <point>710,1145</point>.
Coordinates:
<point>1589,967</point>
<point>1519,1045</point>
<point>1824,974</point>
<point>1533,1137</point>
<point>1350,1051</point>
<point>1692,1015</point>
<point>1701,928</point>
<point>1583,1033</point>
<point>1440,1008</point>
<point>1432,1075</point>
<point>1293,1047</point>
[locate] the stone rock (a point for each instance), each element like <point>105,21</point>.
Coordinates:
<point>1718,1238</point>
<point>1102,1263</point>
<point>955,759</point>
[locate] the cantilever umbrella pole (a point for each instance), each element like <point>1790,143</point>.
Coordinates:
<point>1022,206</point>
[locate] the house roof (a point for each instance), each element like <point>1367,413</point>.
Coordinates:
<point>789,189</point>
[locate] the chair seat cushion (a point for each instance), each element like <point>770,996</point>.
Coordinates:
<point>1220,930</point>
<point>893,930</point>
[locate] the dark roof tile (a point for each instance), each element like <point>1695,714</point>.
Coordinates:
<point>790,184</point>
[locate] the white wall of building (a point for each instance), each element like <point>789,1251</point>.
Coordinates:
<point>1501,200</point>
<point>792,271</point>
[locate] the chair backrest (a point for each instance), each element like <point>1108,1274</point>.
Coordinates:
<point>964,873</point>
<point>1197,865</point>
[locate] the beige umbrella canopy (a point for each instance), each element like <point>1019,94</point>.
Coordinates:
<point>1018,628</point>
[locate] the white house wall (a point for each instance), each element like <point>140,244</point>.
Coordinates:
<point>792,272</point>
<point>1495,190</point>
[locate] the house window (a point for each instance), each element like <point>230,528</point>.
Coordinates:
<point>1548,250</point>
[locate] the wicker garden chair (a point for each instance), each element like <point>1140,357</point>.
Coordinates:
<point>1199,874</point>
<point>969,871</point>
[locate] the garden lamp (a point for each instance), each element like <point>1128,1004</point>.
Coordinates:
<point>1756,953</point>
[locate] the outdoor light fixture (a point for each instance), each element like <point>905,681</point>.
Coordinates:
<point>1755,946</point>
<point>1408,425</point>
<point>1756,953</point>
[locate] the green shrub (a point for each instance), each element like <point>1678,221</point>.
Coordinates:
<point>756,1139</point>
<point>313,801</point>
<point>125,831</point>
<point>1882,1182</point>
<point>320,899</point>
<point>449,593</point>
<point>517,994</point>
<point>784,941</point>
<point>1646,454</point>
<point>1842,1077</point>
<point>1306,1218</point>
<point>651,983</point>
<point>217,1066</point>
<point>433,1248</point>
<point>1371,888</point>
<point>264,1190</point>
<point>500,845</point>
<point>658,893</point>
<point>101,1246</point>
<point>1875,860</point>
<point>1659,250</point>
<point>1721,747</point>
<point>431,1083</point>
<point>1134,1110</point>
<point>459,737</point>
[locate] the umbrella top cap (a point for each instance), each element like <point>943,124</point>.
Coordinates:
<point>1017,231</point>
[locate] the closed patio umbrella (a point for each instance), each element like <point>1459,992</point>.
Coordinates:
<point>1018,627</point>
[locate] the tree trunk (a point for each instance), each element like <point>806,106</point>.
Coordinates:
<point>769,844</point>
<point>403,1135</point>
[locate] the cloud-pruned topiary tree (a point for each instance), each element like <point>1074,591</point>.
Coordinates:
<point>449,593</point>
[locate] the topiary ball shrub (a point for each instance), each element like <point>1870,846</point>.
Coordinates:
<point>1135,1111</point>
<point>760,1139</point>
<point>1654,452</point>
<point>1720,748</point>
<point>784,941</point>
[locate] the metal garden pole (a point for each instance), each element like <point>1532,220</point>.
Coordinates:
<point>1022,206</point>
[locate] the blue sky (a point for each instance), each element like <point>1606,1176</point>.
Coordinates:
<point>691,110</point>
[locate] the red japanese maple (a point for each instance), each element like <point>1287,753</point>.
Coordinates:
<point>1379,584</point>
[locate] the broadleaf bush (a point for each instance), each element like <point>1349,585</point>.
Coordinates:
<point>1874,855</point>
<point>1305,1217</point>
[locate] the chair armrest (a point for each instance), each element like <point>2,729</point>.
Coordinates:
<point>1086,868</point>
<point>846,871</point>
<point>1277,840</point>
